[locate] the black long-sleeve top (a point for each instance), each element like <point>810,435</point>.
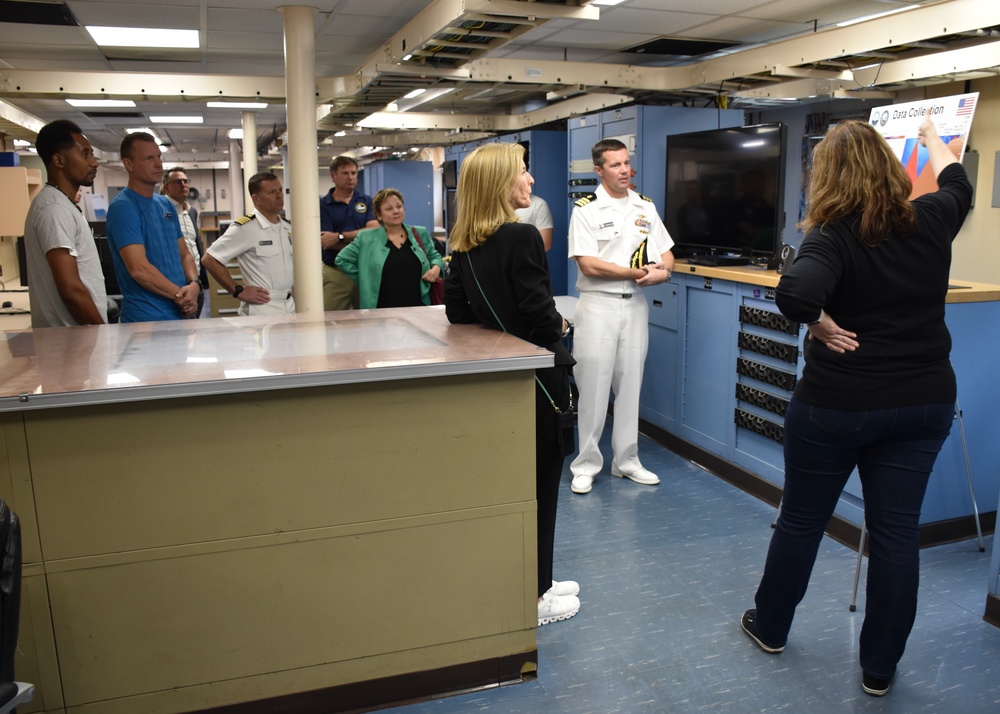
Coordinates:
<point>892,296</point>
<point>513,273</point>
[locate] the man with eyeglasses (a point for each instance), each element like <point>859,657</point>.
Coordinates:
<point>175,186</point>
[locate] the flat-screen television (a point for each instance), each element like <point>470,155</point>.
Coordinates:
<point>725,190</point>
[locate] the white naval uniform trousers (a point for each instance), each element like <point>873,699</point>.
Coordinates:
<point>611,336</point>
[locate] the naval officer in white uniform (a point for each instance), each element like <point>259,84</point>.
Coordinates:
<point>261,242</point>
<point>620,247</point>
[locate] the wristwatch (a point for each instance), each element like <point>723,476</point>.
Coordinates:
<point>340,238</point>
<point>237,290</point>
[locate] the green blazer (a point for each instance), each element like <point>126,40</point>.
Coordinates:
<point>364,257</point>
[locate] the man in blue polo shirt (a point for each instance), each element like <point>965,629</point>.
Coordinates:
<point>153,265</point>
<point>342,213</point>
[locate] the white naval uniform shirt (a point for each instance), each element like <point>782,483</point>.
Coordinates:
<point>611,230</point>
<point>263,251</point>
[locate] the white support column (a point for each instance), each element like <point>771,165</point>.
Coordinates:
<point>236,189</point>
<point>286,180</point>
<point>249,153</point>
<point>300,171</point>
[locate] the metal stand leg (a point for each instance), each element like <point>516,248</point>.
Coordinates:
<point>776,514</point>
<point>968,473</point>
<point>857,569</point>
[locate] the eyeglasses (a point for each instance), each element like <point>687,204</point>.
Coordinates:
<point>181,181</point>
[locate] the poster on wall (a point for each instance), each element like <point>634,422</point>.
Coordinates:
<point>900,123</point>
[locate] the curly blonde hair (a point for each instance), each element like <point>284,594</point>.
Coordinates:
<point>485,184</point>
<point>856,174</point>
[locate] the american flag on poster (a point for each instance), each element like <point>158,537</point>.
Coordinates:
<point>900,123</point>
<point>965,106</point>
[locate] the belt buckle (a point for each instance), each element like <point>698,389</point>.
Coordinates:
<point>627,296</point>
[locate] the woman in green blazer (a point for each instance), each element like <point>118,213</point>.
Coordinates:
<point>389,265</point>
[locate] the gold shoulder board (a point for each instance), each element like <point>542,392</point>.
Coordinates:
<point>243,220</point>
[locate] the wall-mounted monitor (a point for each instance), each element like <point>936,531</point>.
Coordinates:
<point>725,191</point>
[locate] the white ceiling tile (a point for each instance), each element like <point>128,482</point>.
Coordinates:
<point>656,22</point>
<point>747,30</point>
<point>611,41</point>
<point>257,21</point>
<point>137,14</point>
<point>249,41</point>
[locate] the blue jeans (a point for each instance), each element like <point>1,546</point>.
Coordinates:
<point>894,451</point>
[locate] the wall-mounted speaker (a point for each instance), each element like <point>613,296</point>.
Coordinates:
<point>786,257</point>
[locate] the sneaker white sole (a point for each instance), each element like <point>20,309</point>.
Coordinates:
<point>556,618</point>
<point>580,489</point>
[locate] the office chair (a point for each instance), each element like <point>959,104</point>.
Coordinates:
<point>11,693</point>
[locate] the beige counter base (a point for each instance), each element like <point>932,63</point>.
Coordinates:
<point>193,553</point>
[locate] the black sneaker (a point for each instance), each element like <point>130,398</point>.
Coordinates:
<point>873,685</point>
<point>747,622</point>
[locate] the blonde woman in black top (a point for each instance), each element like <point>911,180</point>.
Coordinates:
<point>498,276</point>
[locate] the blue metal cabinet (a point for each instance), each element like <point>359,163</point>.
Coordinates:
<point>767,368</point>
<point>413,179</point>
<point>708,376</point>
<point>719,378</point>
<point>659,397</point>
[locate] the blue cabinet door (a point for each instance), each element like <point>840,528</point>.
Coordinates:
<point>709,376</point>
<point>658,398</point>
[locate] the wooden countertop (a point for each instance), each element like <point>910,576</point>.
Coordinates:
<point>64,366</point>
<point>961,290</point>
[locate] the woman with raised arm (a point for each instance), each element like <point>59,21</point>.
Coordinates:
<point>877,391</point>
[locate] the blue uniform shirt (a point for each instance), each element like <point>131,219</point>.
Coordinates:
<point>337,217</point>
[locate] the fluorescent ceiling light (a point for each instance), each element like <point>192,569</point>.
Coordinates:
<point>236,105</point>
<point>607,2</point>
<point>341,133</point>
<point>22,142</point>
<point>144,37</point>
<point>414,93</point>
<point>180,119</point>
<point>235,133</point>
<point>866,18</point>
<point>407,58</point>
<point>100,102</point>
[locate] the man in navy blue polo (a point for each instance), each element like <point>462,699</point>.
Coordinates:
<point>342,213</point>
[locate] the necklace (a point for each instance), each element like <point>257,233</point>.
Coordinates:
<point>75,204</point>
<point>398,239</point>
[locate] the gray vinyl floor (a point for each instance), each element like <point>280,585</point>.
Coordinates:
<point>666,573</point>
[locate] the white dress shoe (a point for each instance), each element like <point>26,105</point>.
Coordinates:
<point>640,475</point>
<point>582,484</point>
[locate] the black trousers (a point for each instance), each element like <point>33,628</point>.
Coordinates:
<point>549,461</point>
